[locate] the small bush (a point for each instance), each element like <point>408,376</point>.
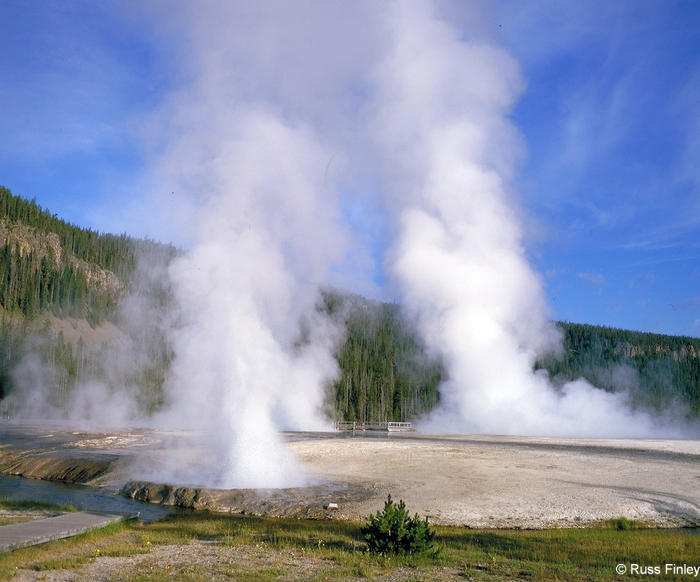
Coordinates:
<point>393,531</point>
<point>621,524</point>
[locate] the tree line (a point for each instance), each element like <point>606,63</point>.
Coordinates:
<point>115,253</point>
<point>31,283</point>
<point>655,370</point>
<point>386,373</point>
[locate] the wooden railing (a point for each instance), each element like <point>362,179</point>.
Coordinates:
<point>379,426</point>
<point>7,411</point>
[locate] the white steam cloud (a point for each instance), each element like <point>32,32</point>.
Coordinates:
<point>248,154</point>
<point>252,354</point>
<point>289,122</point>
<point>442,125</point>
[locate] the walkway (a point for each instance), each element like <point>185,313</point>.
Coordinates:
<point>20,535</point>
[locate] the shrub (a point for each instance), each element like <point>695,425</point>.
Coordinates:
<point>393,531</point>
<point>621,524</point>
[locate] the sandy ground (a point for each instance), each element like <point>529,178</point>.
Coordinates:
<point>523,482</point>
<point>478,481</point>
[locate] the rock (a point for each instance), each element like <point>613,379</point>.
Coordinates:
<point>54,466</point>
<point>185,497</point>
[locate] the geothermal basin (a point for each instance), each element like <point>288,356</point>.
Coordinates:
<point>472,480</point>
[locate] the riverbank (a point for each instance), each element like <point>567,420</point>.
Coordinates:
<point>476,481</point>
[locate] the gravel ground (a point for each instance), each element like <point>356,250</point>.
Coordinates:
<point>479,481</point>
<point>516,482</point>
<point>473,480</point>
<point>200,560</point>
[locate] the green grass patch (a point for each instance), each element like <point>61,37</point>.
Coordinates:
<point>22,505</point>
<point>4,520</point>
<point>623,524</point>
<point>337,551</point>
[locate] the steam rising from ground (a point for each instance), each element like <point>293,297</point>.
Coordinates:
<point>458,257</point>
<point>252,353</point>
<point>116,366</point>
<point>280,123</point>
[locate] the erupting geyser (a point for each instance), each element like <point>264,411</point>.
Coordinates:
<point>441,125</point>
<point>252,354</point>
<point>289,123</point>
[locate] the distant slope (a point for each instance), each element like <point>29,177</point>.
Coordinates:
<point>62,287</point>
<point>46,263</point>
<point>656,370</point>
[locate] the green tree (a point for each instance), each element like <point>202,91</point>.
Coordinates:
<point>394,531</point>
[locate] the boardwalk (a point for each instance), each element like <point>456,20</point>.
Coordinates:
<point>376,426</point>
<point>20,535</point>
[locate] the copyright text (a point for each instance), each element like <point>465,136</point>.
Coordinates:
<point>643,570</point>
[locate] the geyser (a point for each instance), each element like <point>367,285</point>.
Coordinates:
<point>441,125</point>
<point>290,128</point>
<point>252,352</point>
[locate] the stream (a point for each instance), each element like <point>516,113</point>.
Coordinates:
<point>81,497</point>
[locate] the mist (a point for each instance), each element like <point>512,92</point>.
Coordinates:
<point>364,147</point>
<point>458,257</point>
<point>116,375</point>
<point>244,291</point>
<point>390,110</point>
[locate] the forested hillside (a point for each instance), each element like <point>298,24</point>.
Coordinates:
<point>62,289</point>
<point>386,374</point>
<point>46,263</point>
<point>60,286</point>
<point>656,370</point>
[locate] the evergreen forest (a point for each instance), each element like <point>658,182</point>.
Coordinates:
<point>52,272</point>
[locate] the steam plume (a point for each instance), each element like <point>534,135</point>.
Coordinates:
<point>242,368</point>
<point>458,257</point>
<point>281,117</point>
<point>244,153</point>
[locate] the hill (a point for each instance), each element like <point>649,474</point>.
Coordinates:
<point>64,291</point>
<point>658,371</point>
<point>61,287</point>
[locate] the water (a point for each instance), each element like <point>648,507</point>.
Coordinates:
<point>691,531</point>
<point>79,496</point>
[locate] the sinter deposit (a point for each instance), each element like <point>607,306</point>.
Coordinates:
<point>480,481</point>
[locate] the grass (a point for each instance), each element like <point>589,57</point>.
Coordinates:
<point>22,511</point>
<point>12,519</point>
<point>22,505</point>
<point>336,551</point>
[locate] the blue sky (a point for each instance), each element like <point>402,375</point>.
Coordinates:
<point>609,119</point>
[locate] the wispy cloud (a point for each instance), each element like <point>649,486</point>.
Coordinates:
<point>593,279</point>
<point>689,304</point>
<point>672,259</point>
<point>617,156</point>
